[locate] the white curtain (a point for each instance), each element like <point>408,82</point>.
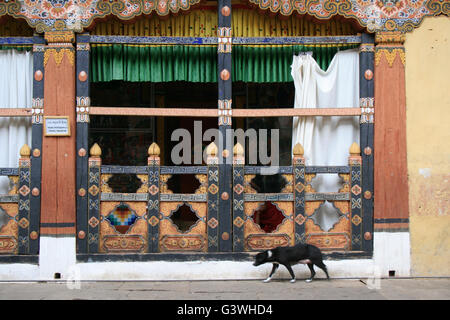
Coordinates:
<point>326,140</point>
<point>16,81</point>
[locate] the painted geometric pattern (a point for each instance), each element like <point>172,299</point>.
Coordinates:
<point>76,14</point>
<point>402,15</point>
<point>4,218</point>
<point>122,215</point>
<point>45,15</point>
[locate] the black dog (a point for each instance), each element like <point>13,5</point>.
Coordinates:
<point>288,256</point>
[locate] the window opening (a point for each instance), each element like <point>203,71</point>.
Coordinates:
<point>184,218</point>
<point>268,216</point>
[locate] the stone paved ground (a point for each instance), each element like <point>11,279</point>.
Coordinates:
<point>336,289</point>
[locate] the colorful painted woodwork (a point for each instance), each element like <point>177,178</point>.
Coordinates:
<point>153,203</point>
<point>367,104</point>
<point>82,124</point>
<point>225,187</point>
<point>47,15</point>
<point>37,105</point>
<point>58,201</point>
<point>238,198</point>
<point>19,227</point>
<point>213,197</point>
<point>391,201</point>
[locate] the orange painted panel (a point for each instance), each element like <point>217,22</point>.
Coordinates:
<point>390,167</point>
<point>58,157</point>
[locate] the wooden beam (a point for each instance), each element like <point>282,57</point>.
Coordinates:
<point>297,40</point>
<point>291,112</point>
<point>17,41</point>
<point>149,40</point>
<point>237,113</point>
<point>165,112</point>
<point>15,112</point>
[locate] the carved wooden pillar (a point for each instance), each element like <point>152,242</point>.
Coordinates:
<point>390,168</point>
<point>82,123</point>
<point>213,197</point>
<point>37,121</point>
<point>153,197</point>
<point>224,112</point>
<point>238,198</point>
<point>298,171</point>
<point>24,217</point>
<point>356,212</point>
<point>58,203</point>
<point>95,163</point>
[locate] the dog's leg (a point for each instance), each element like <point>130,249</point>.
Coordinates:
<point>322,266</point>
<point>274,268</point>
<point>313,273</point>
<point>289,268</point>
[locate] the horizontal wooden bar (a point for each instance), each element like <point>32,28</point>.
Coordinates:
<point>288,169</point>
<point>332,196</point>
<point>31,259</point>
<point>267,170</point>
<point>111,169</point>
<point>355,39</point>
<point>296,40</point>
<point>183,170</point>
<point>168,197</point>
<point>268,197</point>
<point>153,40</point>
<point>124,197</point>
<point>151,112</point>
<point>327,169</point>
<point>297,112</point>
<point>124,169</point>
<point>199,197</point>
<point>236,113</point>
<point>9,198</point>
<point>57,224</point>
<point>15,112</point>
<point>391,227</point>
<point>319,196</point>
<point>58,232</point>
<point>16,40</point>
<point>392,220</point>
<point>9,171</point>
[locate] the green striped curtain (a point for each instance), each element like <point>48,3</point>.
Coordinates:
<point>139,63</point>
<point>273,63</point>
<point>17,47</point>
<point>153,63</point>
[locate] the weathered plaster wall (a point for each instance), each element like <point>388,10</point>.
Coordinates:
<point>428,145</point>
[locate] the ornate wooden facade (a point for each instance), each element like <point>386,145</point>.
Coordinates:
<point>77,201</point>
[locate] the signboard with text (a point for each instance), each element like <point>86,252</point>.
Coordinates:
<point>56,126</point>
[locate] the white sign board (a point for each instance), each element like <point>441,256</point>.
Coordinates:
<point>56,126</point>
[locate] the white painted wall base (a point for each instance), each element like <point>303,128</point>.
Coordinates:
<point>392,251</point>
<point>57,255</point>
<point>214,270</point>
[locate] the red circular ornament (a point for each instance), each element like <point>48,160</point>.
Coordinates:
<point>35,192</point>
<point>225,75</point>
<point>38,75</point>
<point>225,11</point>
<point>33,235</point>
<point>82,76</point>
